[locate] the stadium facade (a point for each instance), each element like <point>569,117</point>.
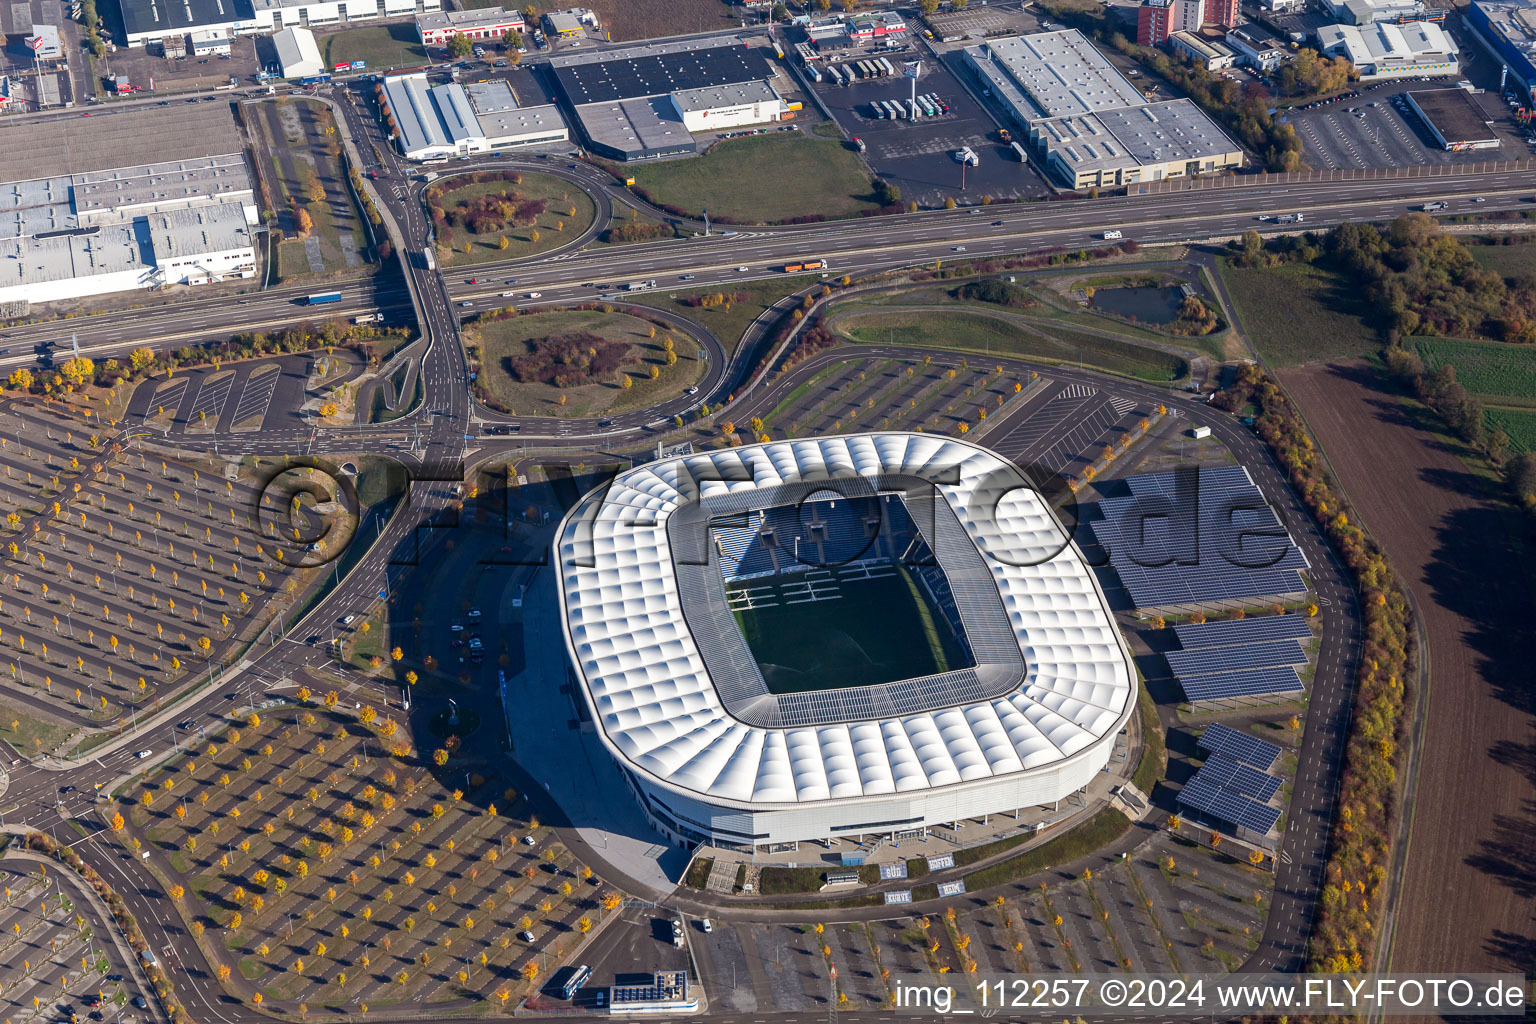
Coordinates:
<point>654,568</point>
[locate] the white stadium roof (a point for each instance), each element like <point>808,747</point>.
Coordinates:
<point>658,710</point>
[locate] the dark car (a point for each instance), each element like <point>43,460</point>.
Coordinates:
<point>186,723</point>
<point>66,789</point>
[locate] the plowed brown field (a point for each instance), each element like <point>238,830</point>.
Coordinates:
<point>1469,890</point>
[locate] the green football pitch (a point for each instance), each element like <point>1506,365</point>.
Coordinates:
<point>879,630</point>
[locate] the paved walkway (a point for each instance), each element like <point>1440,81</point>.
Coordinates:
<point>590,791</point>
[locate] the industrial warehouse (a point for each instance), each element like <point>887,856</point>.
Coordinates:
<point>437,122</point>
<point>155,21</point>
<point>683,632</point>
<point>643,102</point>
<point>1089,125</point>
<point>77,224</point>
<point>1454,119</point>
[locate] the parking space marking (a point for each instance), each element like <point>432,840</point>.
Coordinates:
<point>211,398</point>
<point>256,393</point>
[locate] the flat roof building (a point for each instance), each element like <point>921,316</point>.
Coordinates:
<point>43,41</point>
<point>1117,147</point>
<point>1089,125</point>
<point>570,22</point>
<point>297,53</point>
<point>167,21</point>
<point>1256,48</point>
<point>182,247</point>
<point>1387,50</point>
<point>1055,74</point>
<point>643,102</point>
<point>1508,28</point>
<point>127,137</point>
<point>726,106</point>
<point>1454,119</point>
<point>436,28</point>
<point>437,122</point>
<point>1210,54</point>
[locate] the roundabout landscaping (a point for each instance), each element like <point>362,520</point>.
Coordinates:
<point>502,215</point>
<point>580,362</point>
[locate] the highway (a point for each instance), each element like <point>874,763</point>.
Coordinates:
<point>439,441</point>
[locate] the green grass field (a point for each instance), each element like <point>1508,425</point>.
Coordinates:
<point>1519,424</point>
<point>730,322</point>
<point>996,335</point>
<point>879,630</point>
<point>382,46</point>
<point>1491,369</point>
<point>1297,313</point>
<point>1505,260</point>
<point>762,179</point>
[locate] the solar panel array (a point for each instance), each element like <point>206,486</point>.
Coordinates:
<point>1252,682</point>
<point>1243,631</point>
<point>1238,549</point>
<point>1206,798</point>
<point>1208,660</point>
<point>1224,739</point>
<point>1228,772</point>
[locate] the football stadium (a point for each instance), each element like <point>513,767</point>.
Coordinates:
<point>841,637</point>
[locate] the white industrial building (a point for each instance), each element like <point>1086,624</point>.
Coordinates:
<point>75,220</point>
<point>1387,50</point>
<point>297,53</point>
<point>438,122</point>
<point>150,21</point>
<point>1367,12</point>
<point>188,246</point>
<point>727,106</point>
<point>713,757</point>
<point>1088,123</point>
<point>1256,48</point>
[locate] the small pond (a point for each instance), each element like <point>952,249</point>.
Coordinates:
<point>1147,304</point>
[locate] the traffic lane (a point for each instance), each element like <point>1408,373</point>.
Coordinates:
<point>597,273</point>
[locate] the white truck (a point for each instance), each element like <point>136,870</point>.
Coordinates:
<point>369,318</point>
<point>640,286</point>
<point>1290,218</point>
<point>1432,207</point>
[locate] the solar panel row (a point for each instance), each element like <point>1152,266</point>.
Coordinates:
<point>1210,801</point>
<point>1252,682</point>
<point>1208,660</point>
<point>1243,631</point>
<point>1228,772</point>
<point>1228,546</point>
<point>1224,739</point>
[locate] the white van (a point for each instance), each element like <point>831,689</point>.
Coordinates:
<point>1112,234</point>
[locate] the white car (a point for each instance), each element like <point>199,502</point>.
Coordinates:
<point>526,936</point>
<point>957,248</point>
<point>742,270</point>
<point>693,391</point>
<point>707,925</point>
<point>535,295</point>
<point>347,620</point>
<point>508,295</point>
<point>141,755</point>
<point>530,841</point>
